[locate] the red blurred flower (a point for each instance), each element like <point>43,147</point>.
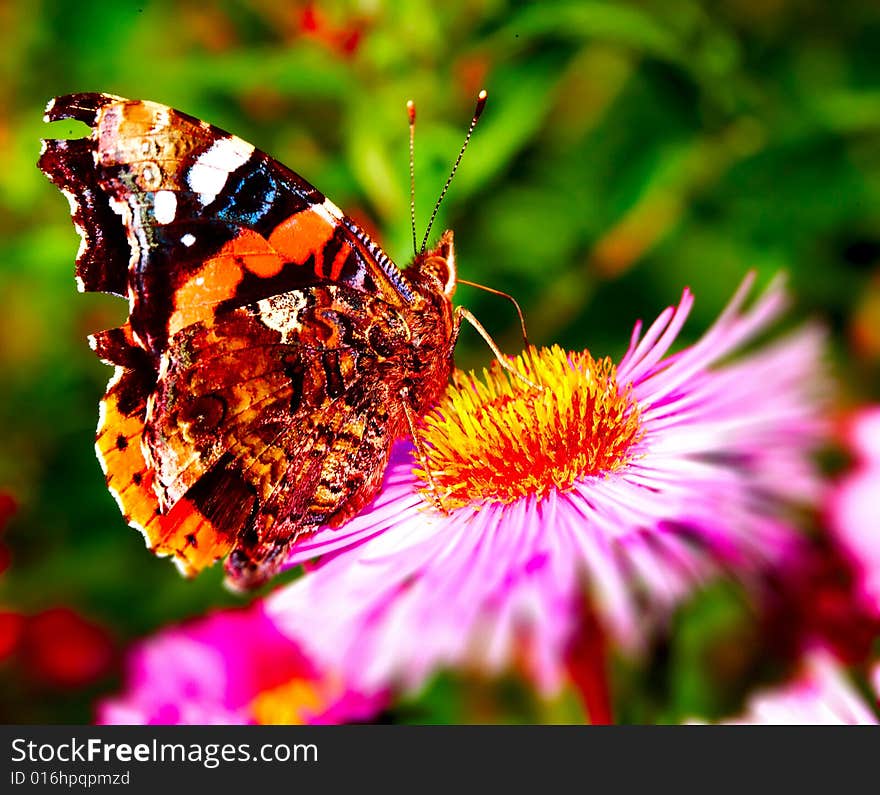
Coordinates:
<point>853,518</point>
<point>60,647</point>
<point>314,24</point>
<point>830,595</point>
<point>471,72</point>
<point>11,625</point>
<point>8,506</point>
<point>816,603</point>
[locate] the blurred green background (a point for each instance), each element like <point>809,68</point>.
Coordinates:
<point>627,150</point>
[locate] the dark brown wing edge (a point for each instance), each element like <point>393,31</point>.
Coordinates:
<point>102,261</point>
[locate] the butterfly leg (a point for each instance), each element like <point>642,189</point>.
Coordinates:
<point>420,451</point>
<point>462,313</point>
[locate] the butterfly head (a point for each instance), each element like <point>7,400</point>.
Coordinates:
<point>436,267</point>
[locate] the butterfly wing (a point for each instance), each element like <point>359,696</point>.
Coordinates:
<point>184,532</point>
<point>254,365</point>
<point>180,217</point>
<point>276,417</point>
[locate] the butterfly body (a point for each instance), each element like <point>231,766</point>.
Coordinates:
<point>272,353</point>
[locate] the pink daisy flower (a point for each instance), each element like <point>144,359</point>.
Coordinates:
<point>232,667</point>
<point>854,513</point>
<point>609,495</point>
<point>821,694</point>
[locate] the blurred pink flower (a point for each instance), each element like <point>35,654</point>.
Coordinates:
<point>821,694</point>
<point>631,486</point>
<point>855,506</point>
<point>231,667</point>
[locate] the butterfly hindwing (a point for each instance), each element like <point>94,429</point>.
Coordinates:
<point>184,532</point>
<point>277,398</point>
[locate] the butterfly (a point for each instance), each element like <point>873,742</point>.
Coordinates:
<point>272,353</point>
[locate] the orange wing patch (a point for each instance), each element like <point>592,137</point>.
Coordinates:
<point>301,235</point>
<point>294,240</point>
<point>254,253</point>
<point>189,537</point>
<point>338,262</point>
<point>219,277</point>
<point>183,532</point>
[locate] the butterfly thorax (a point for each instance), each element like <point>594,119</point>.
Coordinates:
<point>432,324</point>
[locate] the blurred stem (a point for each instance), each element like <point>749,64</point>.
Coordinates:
<point>587,665</point>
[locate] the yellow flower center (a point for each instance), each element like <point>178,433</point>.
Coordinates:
<point>496,438</point>
<point>291,703</point>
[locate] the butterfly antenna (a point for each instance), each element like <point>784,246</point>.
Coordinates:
<point>481,103</point>
<point>411,110</point>
<point>522,320</point>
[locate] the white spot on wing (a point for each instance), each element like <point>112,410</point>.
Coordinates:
<point>188,239</point>
<point>163,372</point>
<point>71,200</point>
<point>358,282</point>
<point>209,173</point>
<point>281,313</point>
<point>115,378</point>
<point>49,105</point>
<point>165,206</point>
<point>83,243</point>
<point>332,209</point>
<point>162,119</point>
<point>118,206</point>
<point>324,213</point>
<point>136,240</point>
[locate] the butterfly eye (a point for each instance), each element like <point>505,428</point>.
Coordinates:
<point>440,264</point>
<point>442,269</point>
<point>438,268</point>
